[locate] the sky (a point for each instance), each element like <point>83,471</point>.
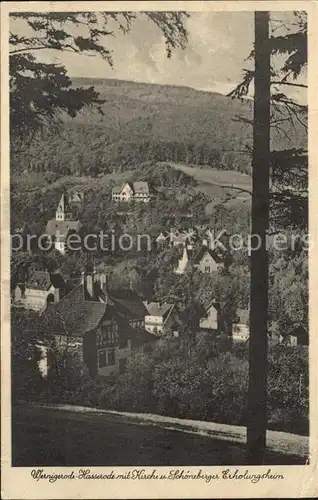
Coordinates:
<point>218,44</point>
<point>214,56</point>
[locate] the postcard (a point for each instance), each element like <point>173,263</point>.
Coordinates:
<point>158,243</point>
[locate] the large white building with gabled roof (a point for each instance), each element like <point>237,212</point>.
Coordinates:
<point>131,191</point>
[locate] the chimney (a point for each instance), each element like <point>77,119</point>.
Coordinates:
<point>89,285</point>
<point>189,251</point>
<point>205,242</point>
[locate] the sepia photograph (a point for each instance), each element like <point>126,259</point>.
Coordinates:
<point>159,241</point>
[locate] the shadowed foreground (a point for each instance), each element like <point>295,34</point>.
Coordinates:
<point>46,437</point>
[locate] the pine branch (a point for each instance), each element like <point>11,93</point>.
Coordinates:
<point>291,84</point>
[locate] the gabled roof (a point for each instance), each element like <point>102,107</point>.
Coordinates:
<point>162,236</point>
<point>118,189</point>
<point>128,303</point>
<point>137,187</point>
<point>64,205</point>
<point>157,309</point>
<point>141,187</point>
<point>78,315</point>
<point>76,197</point>
<point>202,251</point>
<point>299,330</point>
<point>63,227</point>
<point>57,280</point>
<point>75,316</point>
<point>206,306</point>
<point>39,280</point>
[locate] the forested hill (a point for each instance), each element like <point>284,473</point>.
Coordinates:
<point>144,121</point>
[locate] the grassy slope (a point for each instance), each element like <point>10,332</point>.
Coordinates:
<point>220,185</point>
<point>68,438</point>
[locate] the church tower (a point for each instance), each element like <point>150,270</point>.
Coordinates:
<point>64,211</point>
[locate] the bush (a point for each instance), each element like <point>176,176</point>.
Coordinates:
<point>132,390</point>
<point>209,386</point>
<point>288,389</point>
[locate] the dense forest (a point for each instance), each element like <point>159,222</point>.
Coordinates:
<point>140,122</point>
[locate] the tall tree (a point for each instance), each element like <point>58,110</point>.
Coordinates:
<point>257,393</point>
<point>288,170</point>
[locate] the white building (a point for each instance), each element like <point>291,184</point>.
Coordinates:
<point>159,317</point>
<point>40,290</point>
<point>205,260</point>
<point>131,191</point>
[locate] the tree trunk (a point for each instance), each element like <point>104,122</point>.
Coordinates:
<point>257,391</point>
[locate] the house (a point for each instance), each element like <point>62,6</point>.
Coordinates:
<point>63,225</point>
<point>131,191</point>
<point>40,290</point>
<point>159,317</point>
<point>241,329</point>
<point>104,327</point>
<point>204,259</point>
<point>76,199</point>
<point>209,322</point>
<point>207,260</point>
<point>297,336</point>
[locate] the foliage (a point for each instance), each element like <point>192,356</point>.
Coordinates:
<point>143,122</point>
<point>211,385</point>
<point>289,197</point>
<point>289,165</point>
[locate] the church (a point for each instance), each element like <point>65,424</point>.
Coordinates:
<point>64,224</point>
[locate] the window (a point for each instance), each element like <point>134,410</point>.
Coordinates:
<point>106,357</point>
<point>102,359</point>
<point>123,343</point>
<point>207,269</point>
<point>111,357</point>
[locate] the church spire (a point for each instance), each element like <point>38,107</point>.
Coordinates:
<point>64,211</point>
